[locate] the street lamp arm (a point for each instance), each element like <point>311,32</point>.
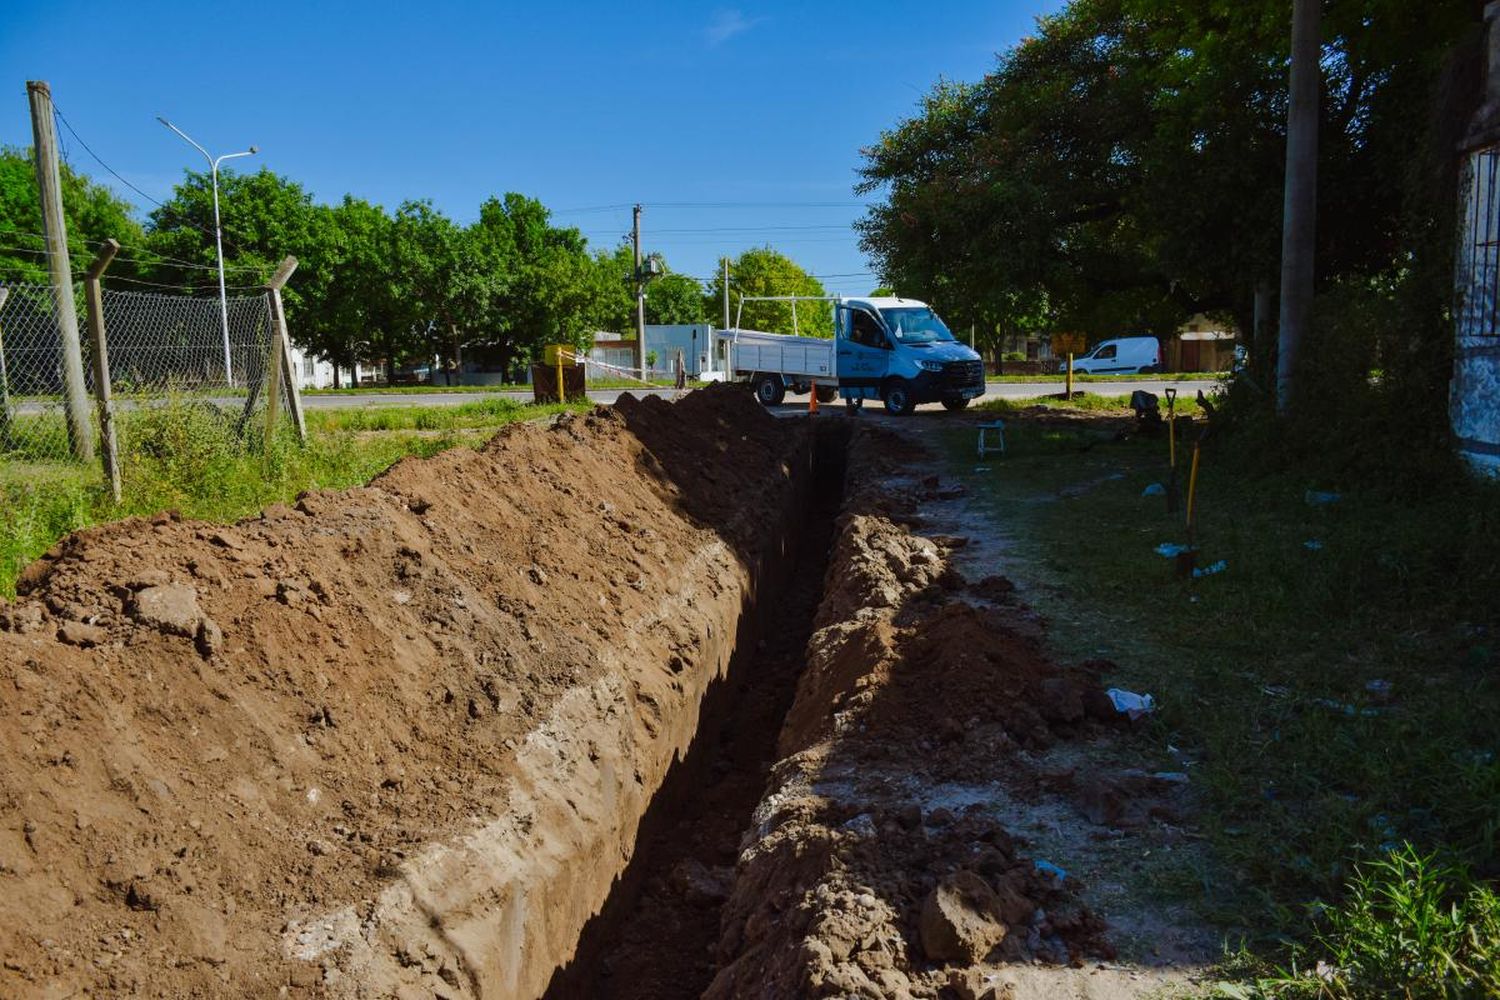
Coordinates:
<point>188,139</point>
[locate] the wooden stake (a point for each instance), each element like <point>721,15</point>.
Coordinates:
<point>94,300</point>
<point>4,382</point>
<point>279,364</point>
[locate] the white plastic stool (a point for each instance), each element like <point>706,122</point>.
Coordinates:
<point>999,428</point>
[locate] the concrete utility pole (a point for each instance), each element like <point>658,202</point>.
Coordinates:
<point>54,224</point>
<point>640,297</point>
<point>1300,209</point>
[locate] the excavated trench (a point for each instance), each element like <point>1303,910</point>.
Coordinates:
<point>654,939</point>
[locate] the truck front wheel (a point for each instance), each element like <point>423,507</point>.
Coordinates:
<point>769,390</point>
<point>898,399</point>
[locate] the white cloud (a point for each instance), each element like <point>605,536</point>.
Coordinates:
<point>726,23</point>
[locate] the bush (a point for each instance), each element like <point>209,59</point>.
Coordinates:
<point>1412,926</point>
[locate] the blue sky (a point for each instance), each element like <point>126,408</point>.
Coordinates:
<point>730,123</point>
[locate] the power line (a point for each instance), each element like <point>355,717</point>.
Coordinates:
<point>116,174</point>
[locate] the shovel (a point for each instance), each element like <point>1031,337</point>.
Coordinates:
<point>1172,449</point>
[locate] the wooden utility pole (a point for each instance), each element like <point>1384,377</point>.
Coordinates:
<point>640,298</point>
<point>1300,208</point>
<point>94,299</point>
<point>49,185</point>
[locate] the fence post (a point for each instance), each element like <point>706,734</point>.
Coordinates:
<point>4,382</point>
<point>49,184</point>
<point>94,300</point>
<point>279,364</point>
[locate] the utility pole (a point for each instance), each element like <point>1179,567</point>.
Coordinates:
<point>640,298</point>
<point>49,184</point>
<point>1300,208</point>
<point>726,293</point>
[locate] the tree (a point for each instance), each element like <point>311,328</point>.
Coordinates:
<point>1122,169</point>
<point>92,211</point>
<point>764,271</point>
<point>354,304</point>
<point>674,298</point>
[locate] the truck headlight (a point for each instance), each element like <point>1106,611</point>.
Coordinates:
<point>931,366</point>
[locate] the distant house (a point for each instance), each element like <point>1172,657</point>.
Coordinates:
<point>694,340</point>
<point>315,373</point>
<point>1201,345</point>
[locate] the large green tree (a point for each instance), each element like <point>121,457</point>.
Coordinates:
<point>1121,169</point>
<point>92,212</point>
<point>764,271</point>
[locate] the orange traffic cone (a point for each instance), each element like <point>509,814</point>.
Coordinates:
<point>812,399</point>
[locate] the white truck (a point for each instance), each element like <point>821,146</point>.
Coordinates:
<point>892,349</point>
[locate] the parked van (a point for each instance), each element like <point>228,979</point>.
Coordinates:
<point>1121,356</point>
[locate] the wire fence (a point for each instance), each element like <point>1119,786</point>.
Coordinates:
<point>167,362</point>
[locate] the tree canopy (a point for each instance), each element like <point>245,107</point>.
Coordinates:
<point>1121,169</point>
<point>764,271</point>
<point>372,284</point>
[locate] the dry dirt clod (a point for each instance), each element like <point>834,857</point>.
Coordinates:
<point>171,608</point>
<point>960,919</point>
<point>81,635</point>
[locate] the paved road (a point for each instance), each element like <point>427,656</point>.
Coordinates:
<point>1002,390</point>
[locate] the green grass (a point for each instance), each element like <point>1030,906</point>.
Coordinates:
<point>421,390</point>
<point>1160,376</point>
<point>187,456</point>
<point>1082,401</point>
<point>1263,672</point>
<point>481,413</point>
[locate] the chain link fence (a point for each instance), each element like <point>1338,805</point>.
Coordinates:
<point>167,363</point>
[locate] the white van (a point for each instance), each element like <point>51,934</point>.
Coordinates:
<point>1122,356</point>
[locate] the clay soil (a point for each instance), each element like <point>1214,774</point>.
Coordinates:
<point>209,731</point>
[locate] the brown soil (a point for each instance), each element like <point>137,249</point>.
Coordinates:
<point>212,733</point>
<point>923,705</point>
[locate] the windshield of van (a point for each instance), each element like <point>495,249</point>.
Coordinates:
<point>915,325</point>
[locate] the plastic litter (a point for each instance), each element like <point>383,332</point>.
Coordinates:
<point>1154,490</point>
<point>1321,498</point>
<point>1211,569</point>
<point>1174,777</point>
<point>1313,545</point>
<point>1171,550</point>
<point>1131,704</point>
<point>1379,688</point>
<point>1048,868</point>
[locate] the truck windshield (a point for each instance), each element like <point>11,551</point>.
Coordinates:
<point>915,325</point>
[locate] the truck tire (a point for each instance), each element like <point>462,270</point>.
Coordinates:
<point>769,390</point>
<point>827,393</point>
<point>955,404</point>
<point>898,399</point>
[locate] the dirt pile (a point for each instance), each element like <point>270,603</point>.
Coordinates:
<point>876,867</point>
<point>389,740</point>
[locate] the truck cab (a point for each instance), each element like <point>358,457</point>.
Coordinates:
<point>900,352</point>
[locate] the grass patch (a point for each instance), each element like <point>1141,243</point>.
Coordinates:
<point>1158,377</point>
<point>1086,402</point>
<point>187,456</point>
<point>421,390</point>
<point>1331,702</point>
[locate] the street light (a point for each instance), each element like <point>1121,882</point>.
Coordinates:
<point>218,235</point>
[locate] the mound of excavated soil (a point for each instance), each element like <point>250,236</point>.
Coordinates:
<point>212,734</point>
<point>879,864</point>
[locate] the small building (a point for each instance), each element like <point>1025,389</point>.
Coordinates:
<point>1201,345</point>
<point>694,340</point>
<point>316,373</point>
